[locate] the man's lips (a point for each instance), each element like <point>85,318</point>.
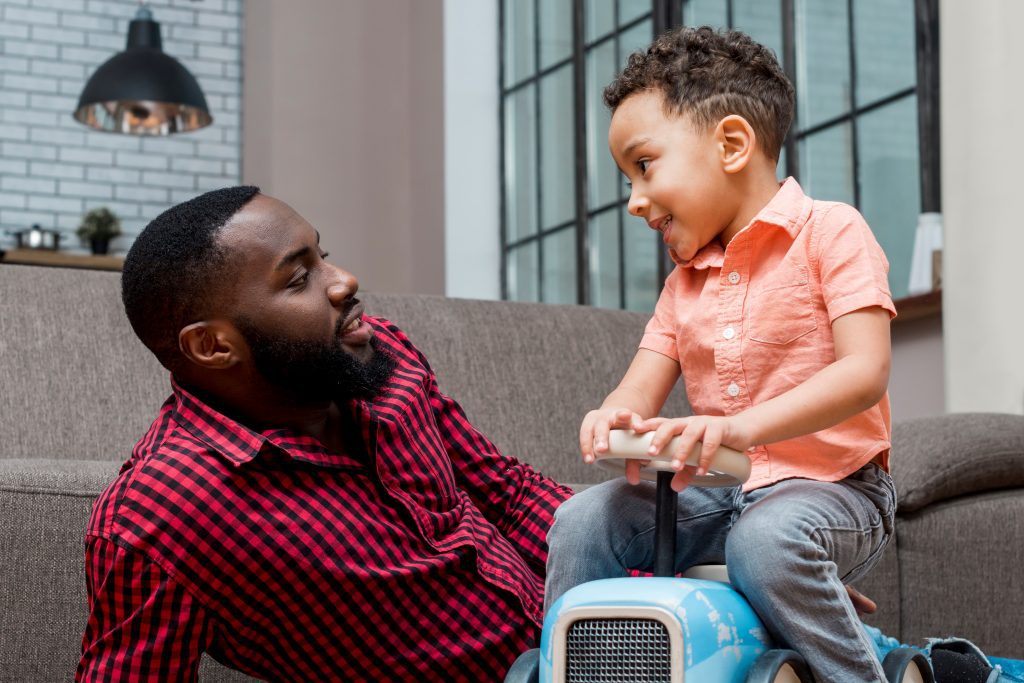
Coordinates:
<point>352,329</point>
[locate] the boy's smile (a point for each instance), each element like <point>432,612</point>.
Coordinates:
<point>680,185</point>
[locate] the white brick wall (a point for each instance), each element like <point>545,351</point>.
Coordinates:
<point>53,169</point>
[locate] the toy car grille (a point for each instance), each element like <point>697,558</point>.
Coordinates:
<point>618,651</point>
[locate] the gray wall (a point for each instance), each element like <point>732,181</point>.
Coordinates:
<point>344,120</point>
<point>52,168</point>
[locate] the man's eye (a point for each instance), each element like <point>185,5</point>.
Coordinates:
<point>324,255</point>
<point>300,280</point>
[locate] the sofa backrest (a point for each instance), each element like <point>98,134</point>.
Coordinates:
<point>75,382</point>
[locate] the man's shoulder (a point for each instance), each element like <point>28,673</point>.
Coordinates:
<point>168,467</point>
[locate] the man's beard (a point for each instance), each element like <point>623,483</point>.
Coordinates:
<point>310,371</point>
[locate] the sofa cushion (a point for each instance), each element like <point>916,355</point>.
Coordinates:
<point>960,567</point>
<point>936,458</point>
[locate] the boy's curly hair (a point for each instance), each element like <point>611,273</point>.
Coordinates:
<point>709,74</point>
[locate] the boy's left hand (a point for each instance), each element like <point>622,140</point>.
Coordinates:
<point>712,431</point>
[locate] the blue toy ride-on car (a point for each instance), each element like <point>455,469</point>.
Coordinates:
<point>664,629</point>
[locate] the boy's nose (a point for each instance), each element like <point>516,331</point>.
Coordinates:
<point>638,204</point>
<point>343,286</point>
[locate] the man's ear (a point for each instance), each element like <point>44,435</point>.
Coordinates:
<point>213,344</point>
<point>736,141</point>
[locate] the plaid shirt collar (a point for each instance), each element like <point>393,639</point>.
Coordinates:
<point>240,444</point>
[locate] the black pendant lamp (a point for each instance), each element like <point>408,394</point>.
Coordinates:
<point>143,91</point>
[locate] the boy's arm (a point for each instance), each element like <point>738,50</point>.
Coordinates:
<point>640,395</point>
<point>854,382</point>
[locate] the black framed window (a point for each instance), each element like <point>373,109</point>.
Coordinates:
<point>866,130</point>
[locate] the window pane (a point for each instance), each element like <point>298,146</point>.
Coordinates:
<point>637,38</point>
<point>603,234</point>
<point>632,9</point>
<point>520,164</point>
<point>780,168</point>
<point>826,164</point>
<point>555,31</point>
<point>598,18</point>
<point>519,40</point>
<point>762,19</point>
<point>822,60</point>
<point>890,188</point>
<point>522,270</point>
<point>557,138</point>
<point>602,174</point>
<point>886,57</point>
<point>641,247</point>
<point>559,281</point>
<point>705,12</point>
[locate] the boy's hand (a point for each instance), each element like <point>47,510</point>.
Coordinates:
<point>597,424</point>
<point>712,431</point>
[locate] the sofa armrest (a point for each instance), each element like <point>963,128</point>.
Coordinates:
<point>44,509</point>
<point>943,457</point>
<point>79,478</point>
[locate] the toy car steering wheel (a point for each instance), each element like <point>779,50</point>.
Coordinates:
<point>728,467</point>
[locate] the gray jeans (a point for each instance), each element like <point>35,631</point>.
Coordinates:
<point>789,548</point>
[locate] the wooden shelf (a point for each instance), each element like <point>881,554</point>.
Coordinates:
<point>918,307</point>
<point>63,259</point>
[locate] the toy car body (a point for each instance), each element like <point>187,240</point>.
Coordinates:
<point>651,629</point>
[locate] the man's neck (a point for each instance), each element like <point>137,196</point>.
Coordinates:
<point>262,408</point>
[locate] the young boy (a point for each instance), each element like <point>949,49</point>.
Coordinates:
<point>777,314</point>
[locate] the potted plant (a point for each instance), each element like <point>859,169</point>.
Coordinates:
<point>99,226</point>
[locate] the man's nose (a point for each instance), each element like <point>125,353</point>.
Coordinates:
<point>343,286</point>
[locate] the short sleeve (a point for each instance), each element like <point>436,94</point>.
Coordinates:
<point>852,266</point>
<point>661,332</point>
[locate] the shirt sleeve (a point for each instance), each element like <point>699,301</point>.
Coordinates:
<point>851,264</point>
<point>661,331</point>
<point>142,625</point>
<point>517,499</point>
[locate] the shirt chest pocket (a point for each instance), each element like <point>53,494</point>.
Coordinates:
<point>782,312</point>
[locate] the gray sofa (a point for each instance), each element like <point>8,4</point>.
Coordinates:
<point>77,389</point>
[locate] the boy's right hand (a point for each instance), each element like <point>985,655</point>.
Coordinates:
<point>597,424</point>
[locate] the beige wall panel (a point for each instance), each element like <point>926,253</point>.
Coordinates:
<point>343,118</point>
<point>982,177</point>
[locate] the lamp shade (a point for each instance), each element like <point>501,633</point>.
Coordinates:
<point>143,91</point>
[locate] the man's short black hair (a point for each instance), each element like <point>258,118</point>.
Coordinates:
<point>168,274</point>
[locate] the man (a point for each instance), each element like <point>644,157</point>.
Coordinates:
<point>307,504</point>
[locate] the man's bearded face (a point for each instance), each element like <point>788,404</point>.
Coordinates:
<point>312,371</point>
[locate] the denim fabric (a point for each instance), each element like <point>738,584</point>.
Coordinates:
<point>789,548</point>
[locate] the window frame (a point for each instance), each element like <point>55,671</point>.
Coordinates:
<point>666,14</point>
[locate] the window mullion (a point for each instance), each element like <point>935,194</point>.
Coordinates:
<point>580,117</point>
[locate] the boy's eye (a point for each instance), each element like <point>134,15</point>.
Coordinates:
<point>642,164</point>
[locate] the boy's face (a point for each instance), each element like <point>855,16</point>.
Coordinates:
<point>679,185</point>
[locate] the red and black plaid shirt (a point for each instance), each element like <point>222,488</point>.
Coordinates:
<point>416,554</point>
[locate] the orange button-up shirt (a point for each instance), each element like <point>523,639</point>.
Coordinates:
<point>753,320</point>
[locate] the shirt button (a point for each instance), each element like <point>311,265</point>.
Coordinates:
<point>734,278</point>
<point>734,389</point>
<point>728,333</point>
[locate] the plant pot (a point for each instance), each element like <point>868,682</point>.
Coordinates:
<point>99,245</point>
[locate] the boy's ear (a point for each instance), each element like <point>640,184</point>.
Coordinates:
<point>736,141</point>
<point>212,344</point>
